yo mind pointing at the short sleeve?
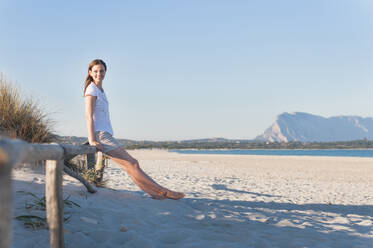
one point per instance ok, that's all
(90, 90)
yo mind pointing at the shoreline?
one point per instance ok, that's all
(343, 153)
(264, 149)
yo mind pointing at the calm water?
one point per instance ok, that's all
(332, 153)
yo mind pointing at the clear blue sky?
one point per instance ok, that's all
(192, 69)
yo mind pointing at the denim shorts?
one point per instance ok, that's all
(107, 141)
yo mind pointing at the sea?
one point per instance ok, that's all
(325, 153)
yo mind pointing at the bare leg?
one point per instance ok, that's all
(140, 178)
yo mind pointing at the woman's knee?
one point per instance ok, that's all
(134, 163)
(122, 154)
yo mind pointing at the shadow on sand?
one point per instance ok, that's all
(235, 223)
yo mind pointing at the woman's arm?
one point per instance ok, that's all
(90, 102)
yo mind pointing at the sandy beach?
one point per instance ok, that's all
(231, 201)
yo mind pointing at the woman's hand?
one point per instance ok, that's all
(97, 145)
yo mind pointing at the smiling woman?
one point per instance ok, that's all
(100, 133)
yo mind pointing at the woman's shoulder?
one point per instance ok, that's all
(91, 90)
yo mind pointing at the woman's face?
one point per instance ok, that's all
(97, 73)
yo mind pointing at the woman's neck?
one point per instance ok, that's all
(99, 85)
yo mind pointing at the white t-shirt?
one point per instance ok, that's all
(101, 118)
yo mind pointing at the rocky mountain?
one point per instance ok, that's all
(306, 127)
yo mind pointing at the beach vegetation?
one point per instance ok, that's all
(38, 204)
(22, 117)
(79, 165)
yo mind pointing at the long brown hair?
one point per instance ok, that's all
(89, 79)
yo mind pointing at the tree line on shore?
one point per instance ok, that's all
(356, 144)
(230, 144)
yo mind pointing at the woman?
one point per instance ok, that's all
(100, 133)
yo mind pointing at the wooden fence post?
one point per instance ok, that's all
(99, 161)
(5, 200)
(54, 201)
(91, 160)
(13, 152)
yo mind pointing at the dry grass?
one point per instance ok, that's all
(79, 165)
(22, 118)
(38, 205)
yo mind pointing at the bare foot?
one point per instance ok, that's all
(173, 195)
(167, 194)
(158, 197)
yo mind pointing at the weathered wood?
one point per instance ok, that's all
(21, 152)
(71, 150)
(5, 200)
(99, 167)
(99, 161)
(75, 175)
(69, 157)
(90, 158)
(37, 152)
(13, 152)
(54, 202)
(90, 161)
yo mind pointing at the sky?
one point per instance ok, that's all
(191, 69)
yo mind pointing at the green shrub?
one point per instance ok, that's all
(22, 118)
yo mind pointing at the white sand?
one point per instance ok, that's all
(231, 201)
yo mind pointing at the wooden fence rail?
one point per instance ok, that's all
(13, 152)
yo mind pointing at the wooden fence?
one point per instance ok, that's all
(13, 152)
